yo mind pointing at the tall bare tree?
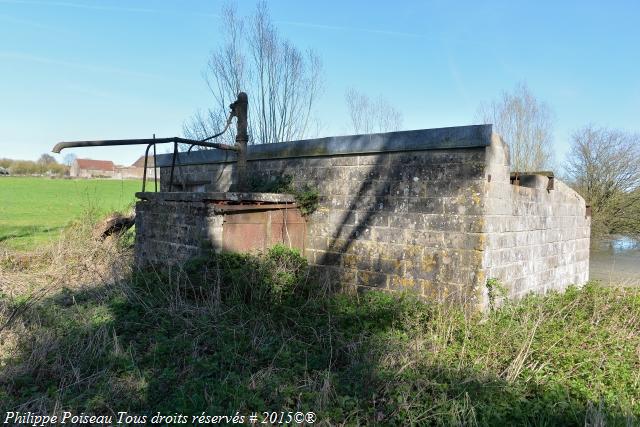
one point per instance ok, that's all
(282, 82)
(526, 124)
(69, 159)
(46, 159)
(369, 116)
(604, 167)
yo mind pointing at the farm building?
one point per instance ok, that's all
(89, 168)
(136, 170)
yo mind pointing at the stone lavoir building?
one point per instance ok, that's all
(433, 211)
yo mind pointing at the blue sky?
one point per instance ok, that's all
(84, 69)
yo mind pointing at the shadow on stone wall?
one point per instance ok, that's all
(388, 231)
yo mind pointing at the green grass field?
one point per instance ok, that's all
(34, 210)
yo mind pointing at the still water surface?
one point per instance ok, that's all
(616, 260)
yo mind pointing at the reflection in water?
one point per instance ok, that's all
(624, 243)
(616, 260)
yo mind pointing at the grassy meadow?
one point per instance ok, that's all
(34, 210)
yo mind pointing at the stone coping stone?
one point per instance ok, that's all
(474, 136)
(190, 196)
(548, 174)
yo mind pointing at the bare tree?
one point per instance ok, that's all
(282, 82)
(69, 159)
(604, 167)
(370, 116)
(526, 125)
(47, 159)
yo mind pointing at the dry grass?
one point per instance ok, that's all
(213, 336)
(76, 262)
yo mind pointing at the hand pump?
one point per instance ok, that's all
(239, 109)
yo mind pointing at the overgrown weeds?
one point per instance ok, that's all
(74, 260)
(248, 333)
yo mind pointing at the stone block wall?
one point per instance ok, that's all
(406, 220)
(168, 231)
(432, 212)
(537, 237)
(172, 228)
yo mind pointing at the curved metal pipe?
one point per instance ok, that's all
(111, 142)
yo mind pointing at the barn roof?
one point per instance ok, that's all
(140, 162)
(102, 165)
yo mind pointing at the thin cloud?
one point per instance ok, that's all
(33, 24)
(93, 6)
(356, 29)
(80, 5)
(78, 65)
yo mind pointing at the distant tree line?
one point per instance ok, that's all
(45, 165)
(604, 167)
(603, 164)
(371, 115)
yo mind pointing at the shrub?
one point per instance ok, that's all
(306, 196)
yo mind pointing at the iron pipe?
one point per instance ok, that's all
(110, 142)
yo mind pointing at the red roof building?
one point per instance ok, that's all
(140, 162)
(89, 168)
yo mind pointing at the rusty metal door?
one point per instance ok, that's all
(260, 227)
